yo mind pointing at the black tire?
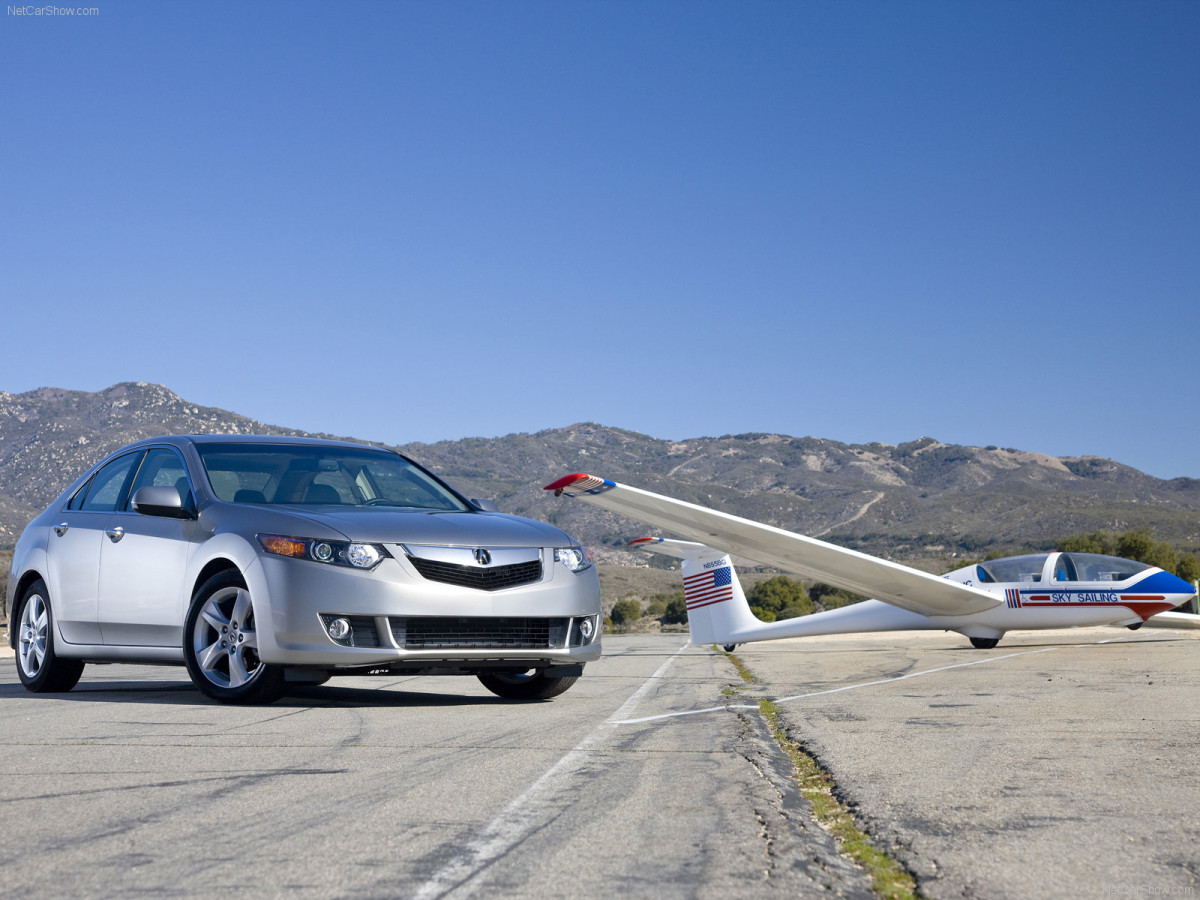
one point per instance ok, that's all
(984, 643)
(532, 685)
(729, 648)
(220, 645)
(40, 668)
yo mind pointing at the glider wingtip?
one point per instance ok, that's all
(580, 483)
(566, 481)
(636, 542)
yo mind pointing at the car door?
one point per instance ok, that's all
(74, 550)
(143, 562)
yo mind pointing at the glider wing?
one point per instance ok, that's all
(1175, 620)
(881, 579)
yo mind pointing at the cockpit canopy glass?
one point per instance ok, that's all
(1014, 568)
(312, 475)
(1095, 567)
(1067, 567)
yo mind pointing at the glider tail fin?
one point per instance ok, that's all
(717, 610)
(716, 605)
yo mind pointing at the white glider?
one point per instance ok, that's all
(982, 601)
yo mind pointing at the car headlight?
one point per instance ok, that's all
(574, 558)
(353, 554)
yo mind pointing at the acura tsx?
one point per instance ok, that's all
(260, 562)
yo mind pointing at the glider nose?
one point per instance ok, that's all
(1169, 588)
(1178, 590)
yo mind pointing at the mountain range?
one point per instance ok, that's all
(921, 499)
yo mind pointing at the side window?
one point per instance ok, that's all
(80, 495)
(162, 468)
(104, 492)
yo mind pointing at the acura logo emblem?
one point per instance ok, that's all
(483, 557)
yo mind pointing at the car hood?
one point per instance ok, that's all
(449, 529)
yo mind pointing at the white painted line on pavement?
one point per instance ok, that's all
(524, 814)
(862, 684)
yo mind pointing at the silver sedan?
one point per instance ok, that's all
(259, 562)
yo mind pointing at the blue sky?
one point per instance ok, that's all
(424, 220)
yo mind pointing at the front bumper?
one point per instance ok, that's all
(403, 622)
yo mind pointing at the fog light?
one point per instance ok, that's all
(586, 628)
(339, 629)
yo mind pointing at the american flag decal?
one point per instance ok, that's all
(707, 588)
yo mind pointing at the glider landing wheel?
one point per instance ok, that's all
(984, 643)
(1136, 626)
(729, 648)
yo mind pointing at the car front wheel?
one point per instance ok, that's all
(532, 685)
(41, 669)
(220, 645)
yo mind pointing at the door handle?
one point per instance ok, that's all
(115, 534)
(61, 528)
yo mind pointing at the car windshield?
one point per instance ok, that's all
(314, 475)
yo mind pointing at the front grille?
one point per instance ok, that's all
(493, 578)
(478, 633)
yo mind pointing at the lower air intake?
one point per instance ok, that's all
(479, 633)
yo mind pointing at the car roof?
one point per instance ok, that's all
(181, 439)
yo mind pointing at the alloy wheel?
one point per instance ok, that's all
(34, 635)
(225, 640)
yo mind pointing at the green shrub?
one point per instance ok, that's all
(833, 598)
(626, 611)
(676, 613)
(779, 593)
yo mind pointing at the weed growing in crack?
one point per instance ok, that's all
(889, 879)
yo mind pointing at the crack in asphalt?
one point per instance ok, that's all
(866, 684)
(245, 777)
(613, 751)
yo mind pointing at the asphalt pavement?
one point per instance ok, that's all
(405, 787)
(1052, 764)
(1058, 764)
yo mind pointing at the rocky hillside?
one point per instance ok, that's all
(917, 499)
(49, 436)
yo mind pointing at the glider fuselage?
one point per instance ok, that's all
(1046, 591)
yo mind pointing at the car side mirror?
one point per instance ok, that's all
(161, 500)
(485, 505)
